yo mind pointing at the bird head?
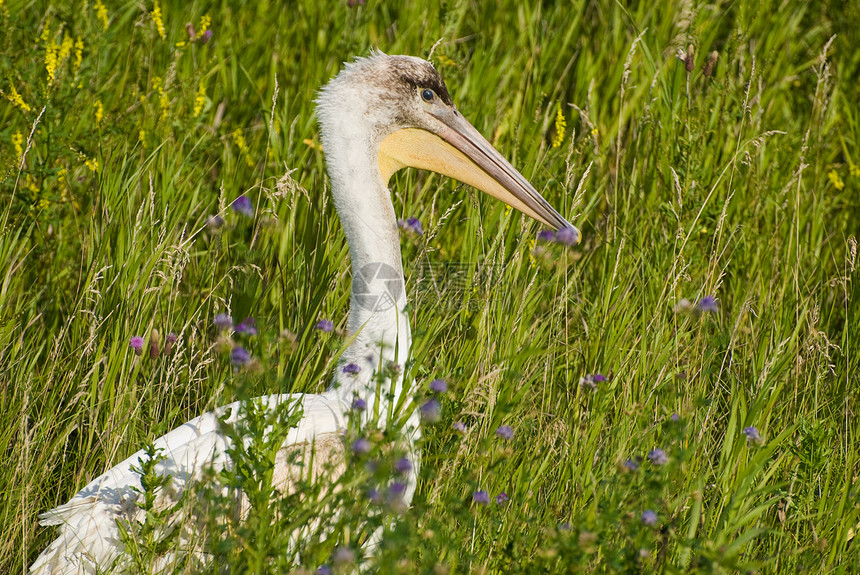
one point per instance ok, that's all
(404, 104)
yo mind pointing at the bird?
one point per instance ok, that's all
(379, 114)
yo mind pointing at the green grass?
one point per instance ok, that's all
(740, 184)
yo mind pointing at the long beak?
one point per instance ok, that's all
(459, 151)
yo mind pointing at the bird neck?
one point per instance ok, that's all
(379, 331)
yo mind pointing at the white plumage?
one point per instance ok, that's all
(380, 114)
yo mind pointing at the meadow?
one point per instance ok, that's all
(681, 388)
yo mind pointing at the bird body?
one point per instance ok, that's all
(378, 115)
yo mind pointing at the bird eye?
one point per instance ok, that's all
(427, 95)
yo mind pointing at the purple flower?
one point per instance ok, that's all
(431, 411)
(324, 570)
(239, 356)
(396, 491)
(597, 378)
(207, 35)
(223, 321)
(360, 446)
(438, 386)
(374, 495)
(403, 465)
(631, 465)
(753, 436)
(481, 497)
(546, 236)
(658, 456)
(502, 498)
(459, 426)
(649, 518)
(171, 340)
(567, 236)
(351, 369)
(359, 404)
(589, 382)
(675, 417)
(708, 304)
(136, 344)
(324, 325)
(243, 205)
(248, 327)
(411, 225)
(505, 432)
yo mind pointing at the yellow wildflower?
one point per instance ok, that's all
(239, 140)
(30, 184)
(205, 22)
(79, 53)
(92, 164)
(181, 44)
(66, 48)
(836, 180)
(142, 136)
(61, 177)
(101, 14)
(854, 170)
(594, 131)
(44, 203)
(51, 56)
(560, 125)
(200, 99)
(157, 19)
(16, 99)
(18, 142)
(100, 111)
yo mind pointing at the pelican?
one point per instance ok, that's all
(378, 115)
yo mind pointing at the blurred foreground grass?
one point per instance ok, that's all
(705, 149)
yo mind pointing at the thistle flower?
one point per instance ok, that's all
(502, 498)
(153, 344)
(411, 225)
(248, 327)
(505, 432)
(239, 356)
(403, 465)
(223, 321)
(438, 386)
(359, 404)
(711, 63)
(136, 343)
(351, 369)
(360, 446)
(658, 456)
(649, 518)
(481, 497)
(324, 325)
(708, 304)
(753, 436)
(567, 237)
(243, 205)
(170, 341)
(431, 411)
